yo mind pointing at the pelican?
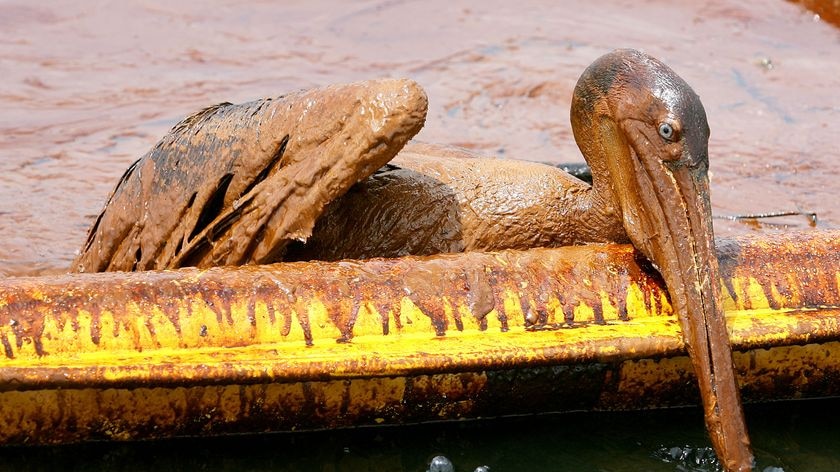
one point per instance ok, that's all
(643, 131)
(260, 193)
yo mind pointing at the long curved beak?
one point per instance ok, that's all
(668, 217)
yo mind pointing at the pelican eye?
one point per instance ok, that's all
(666, 131)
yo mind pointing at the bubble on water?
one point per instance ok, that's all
(482, 468)
(690, 459)
(441, 464)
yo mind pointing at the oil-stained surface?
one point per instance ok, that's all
(827, 10)
(233, 184)
(327, 304)
(89, 88)
(392, 341)
(53, 416)
(435, 199)
(787, 280)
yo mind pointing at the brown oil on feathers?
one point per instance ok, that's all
(438, 199)
(233, 184)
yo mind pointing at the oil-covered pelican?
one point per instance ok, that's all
(643, 132)
(640, 127)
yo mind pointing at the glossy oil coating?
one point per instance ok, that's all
(645, 134)
(438, 199)
(233, 184)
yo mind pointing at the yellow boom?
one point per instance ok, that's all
(319, 345)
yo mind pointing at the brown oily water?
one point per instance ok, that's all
(88, 90)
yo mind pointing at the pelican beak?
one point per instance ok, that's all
(667, 214)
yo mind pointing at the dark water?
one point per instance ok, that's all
(798, 436)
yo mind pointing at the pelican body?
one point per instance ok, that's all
(643, 131)
(641, 128)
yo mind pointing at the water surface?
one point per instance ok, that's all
(790, 437)
(88, 87)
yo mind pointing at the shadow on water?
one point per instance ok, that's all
(789, 437)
